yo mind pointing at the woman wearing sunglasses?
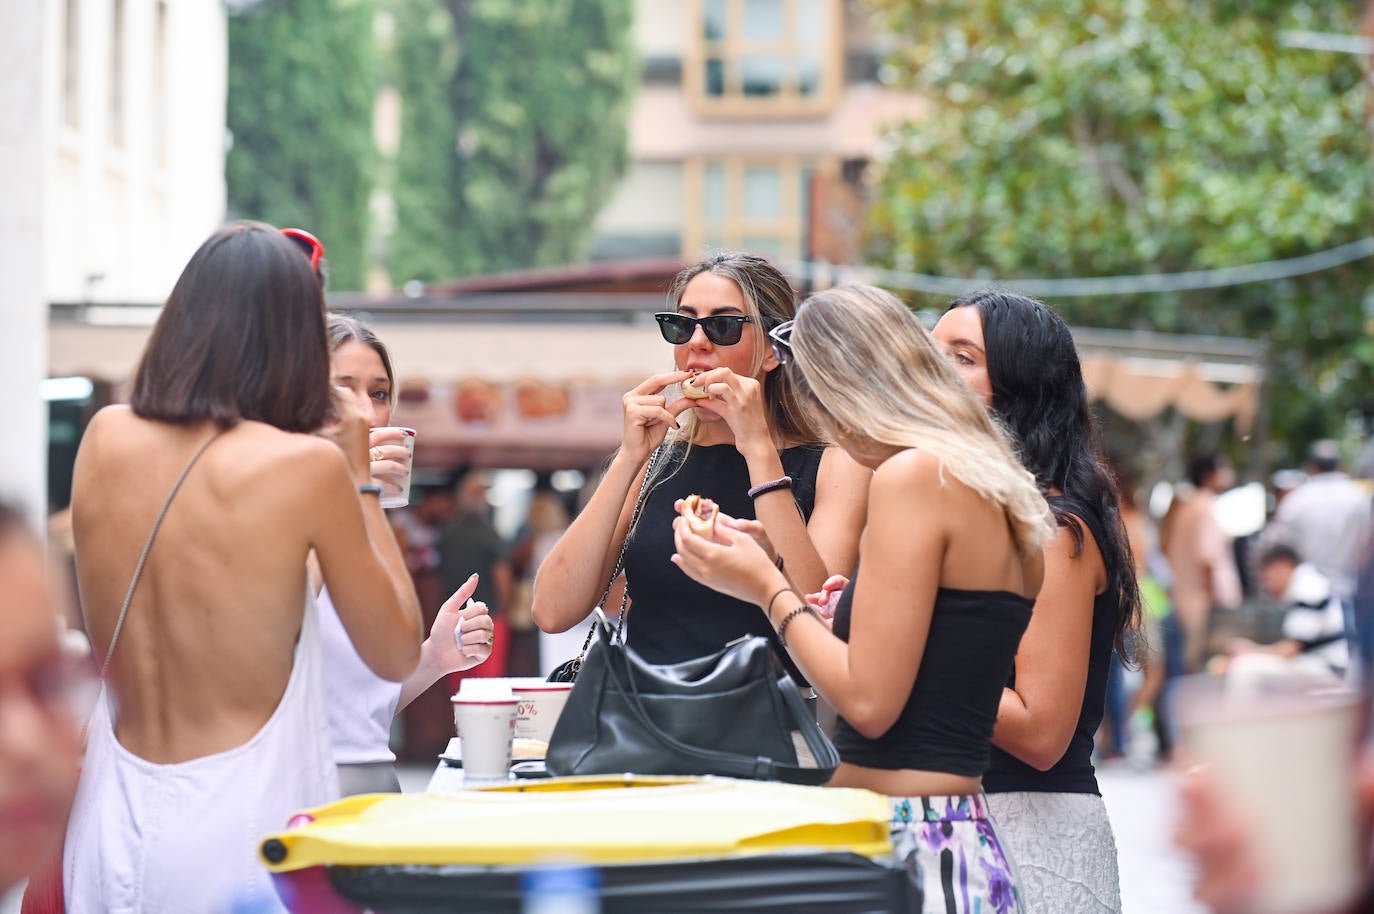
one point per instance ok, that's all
(950, 563)
(749, 445)
(1019, 357)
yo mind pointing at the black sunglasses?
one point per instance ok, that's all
(721, 329)
(780, 338)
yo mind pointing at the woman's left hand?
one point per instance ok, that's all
(388, 459)
(462, 635)
(739, 401)
(731, 562)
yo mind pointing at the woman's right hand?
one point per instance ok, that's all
(350, 431)
(649, 415)
(825, 599)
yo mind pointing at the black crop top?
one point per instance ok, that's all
(673, 618)
(947, 722)
(1074, 772)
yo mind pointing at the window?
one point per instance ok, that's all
(117, 74)
(752, 57)
(71, 63)
(159, 62)
(757, 205)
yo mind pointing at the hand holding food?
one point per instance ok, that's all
(692, 391)
(700, 514)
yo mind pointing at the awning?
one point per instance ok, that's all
(545, 393)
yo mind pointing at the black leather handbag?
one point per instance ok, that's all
(735, 713)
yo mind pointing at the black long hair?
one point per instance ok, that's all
(1039, 395)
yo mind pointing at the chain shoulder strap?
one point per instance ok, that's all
(620, 560)
(147, 548)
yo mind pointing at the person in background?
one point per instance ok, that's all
(1200, 557)
(950, 562)
(1314, 621)
(39, 747)
(1325, 519)
(749, 444)
(194, 511)
(1019, 356)
(362, 704)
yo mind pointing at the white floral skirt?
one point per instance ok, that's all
(963, 869)
(1064, 851)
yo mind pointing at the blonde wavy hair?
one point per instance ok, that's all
(869, 366)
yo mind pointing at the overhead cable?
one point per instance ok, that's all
(1187, 281)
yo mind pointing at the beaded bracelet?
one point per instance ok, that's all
(787, 620)
(772, 485)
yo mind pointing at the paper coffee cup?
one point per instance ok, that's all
(486, 727)
(538, 708)
(1281, 748)
(396, 490)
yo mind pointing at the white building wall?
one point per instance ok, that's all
(23, 317)
(123, 213)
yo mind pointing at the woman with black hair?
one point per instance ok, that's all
(1019, 356)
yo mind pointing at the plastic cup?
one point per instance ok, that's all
(1281, 747)
(396, 491)
(486, 726)
(538, 709)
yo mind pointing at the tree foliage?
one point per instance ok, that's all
(513, 131)
(302, 79)
(1101, 137)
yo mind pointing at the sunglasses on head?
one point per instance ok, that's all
(780, 338)
(307, 243)
(721, 329)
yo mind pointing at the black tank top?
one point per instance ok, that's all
(673, 618)
(947, 722)
(1074, 772)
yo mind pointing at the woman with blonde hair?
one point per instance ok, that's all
(745, 440)
(924, 635)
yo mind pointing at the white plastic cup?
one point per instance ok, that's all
(486, 727)
(396, 493)
(538, 709)
(1281, 747)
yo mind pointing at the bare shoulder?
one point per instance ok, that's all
(909, 471)
(837, 468)
(307, 460)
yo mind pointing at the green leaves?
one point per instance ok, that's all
(514, 133)
(302, 78)
(1100, 137)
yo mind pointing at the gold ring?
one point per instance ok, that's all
(375, 453)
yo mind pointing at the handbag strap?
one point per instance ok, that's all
(620, 560)
(755, 767)
(147, 548)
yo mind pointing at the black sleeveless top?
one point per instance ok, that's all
(947, 722)
(673, 618)
(1074, 772)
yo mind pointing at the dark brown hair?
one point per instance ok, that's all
(240, 337)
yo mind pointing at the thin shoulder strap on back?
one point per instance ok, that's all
(148, 547)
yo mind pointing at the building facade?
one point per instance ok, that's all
(133, 172)
(754, 122)
(112, 172)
